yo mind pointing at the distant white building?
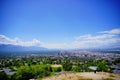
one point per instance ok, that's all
(93, 68)
(8, 71)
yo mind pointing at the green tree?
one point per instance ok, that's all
(102, 66)
(67, 66)
(56, 69)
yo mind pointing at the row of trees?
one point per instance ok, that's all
(7, 62)
(68, 66)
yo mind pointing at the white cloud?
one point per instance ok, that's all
(17, 41)
(105, 39)
(113, 31)
(102, 39)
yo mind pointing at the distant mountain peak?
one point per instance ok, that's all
(18, 48)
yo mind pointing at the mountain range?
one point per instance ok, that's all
(17, 48)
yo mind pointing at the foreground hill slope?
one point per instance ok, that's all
(84, 76)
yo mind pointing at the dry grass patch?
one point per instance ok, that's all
(66, 76)
(56, 65)
(84, 76)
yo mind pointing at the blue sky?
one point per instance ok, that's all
(57, 21)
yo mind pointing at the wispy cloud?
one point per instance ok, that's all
(104, 39)
(101, 39)
(113, 31)
(17, 41)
